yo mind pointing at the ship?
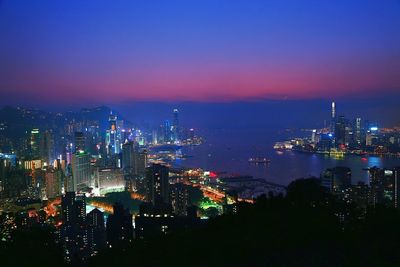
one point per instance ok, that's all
(258, 160)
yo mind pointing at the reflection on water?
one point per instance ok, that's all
(230, 151)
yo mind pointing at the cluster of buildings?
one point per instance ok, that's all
(81, 155)
(357, 136)
(83, 235)
(165, 208)
(382, 190)
(49, 182)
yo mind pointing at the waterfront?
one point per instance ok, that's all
(229, 151)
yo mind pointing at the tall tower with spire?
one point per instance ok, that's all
(333, 118)
(175, 125)
(112, 143)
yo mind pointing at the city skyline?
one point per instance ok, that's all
(199, 133)
(199, 51)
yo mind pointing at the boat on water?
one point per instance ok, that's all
(258, 160)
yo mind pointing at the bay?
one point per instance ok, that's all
(228, 150)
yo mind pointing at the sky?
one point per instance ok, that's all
(110, 52)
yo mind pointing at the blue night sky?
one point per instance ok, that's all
(76, 53)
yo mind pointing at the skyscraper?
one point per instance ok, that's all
(167, 131)
(175, 125)
(340, 131)
(333, 116)
(337, 180)
(141, 162)
(96, 230)
(53, 183)
(157, 186)
(128, 158)
(179, 196)
(81, 172)
(119, 226)
(396, 187)
(112, 141)
(134, 163)
(358, 132)
(79, 140)
(46, 149)
(73, 232)
(34, 143)
(385, 186)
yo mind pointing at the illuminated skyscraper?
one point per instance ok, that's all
(112, 120)
(175, 125)
(179, 195)
(81, 172)
(396, 187)
(112, 141)
(358, 132)
(34, 143)
(385, 186)
(167, 131)
(73, 231)
(333, 117)
(157, 177)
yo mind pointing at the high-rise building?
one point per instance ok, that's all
(128, 165)
(73, 208)
(134, 163)
(53, 182)
(129, 151)
(154, 138)
(396, 187)
(34, 143)
(179, 198)
(340, 131)
(119, 134)
(358, 140)
(73, 232)
(112, 141)
(175, 125)
(157, 186)
(385, 186)
(333, 116)
(47, 153)
(80, 141)
(338, 181)
(141, 163)
(167, 132)
(361, 196)
(112, 120)
(119, 226)
(81, 171)
(96, 231)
